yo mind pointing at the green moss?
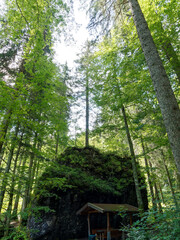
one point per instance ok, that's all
(86, 168)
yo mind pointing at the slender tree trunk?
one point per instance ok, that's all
(57, 144)
(171, 56)
(133, 158)
(87, 111)
(169, 180)
(167, 101)
(19, 188)
(148, 176)
(178, 180)
(26, 199)
(2, 153)
(34, 171)
(168, 49)
(156, 189)
(38, 163)
(5, 179)
(37, 170)
(161, 192)
(131, 148)
(37, 167)
(157, 197)
(11, 191)
(36, 175)
(4, 127)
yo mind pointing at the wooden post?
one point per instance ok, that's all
(108, 228)
(130, 218)
(89, 226)
(123, 235)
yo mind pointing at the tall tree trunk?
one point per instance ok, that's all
(8, 165)
(171, 56)
(133, 159)
(167, 101)
(87, 111)
(161, 192)
(157, 197)
(156, 189)
(4, 127)
(178, 180)
(148, 176)
(169, 180)
(11, 191)
(2, 153)
(168, 48)
(34, 170)
(57, 144)
(7, 116)
(29, 182)
(36, 173)
(19, 187)
(131, 148)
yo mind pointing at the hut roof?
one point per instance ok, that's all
(105, 207)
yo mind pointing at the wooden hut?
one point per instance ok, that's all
(106, 209)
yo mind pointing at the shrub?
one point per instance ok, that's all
(156, 226)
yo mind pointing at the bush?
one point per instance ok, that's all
(19, 233)
(156, 226)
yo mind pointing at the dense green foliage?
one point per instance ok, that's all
(124, 113)
(119, 77)
(80, 169)
(155, 226)
(33, 95)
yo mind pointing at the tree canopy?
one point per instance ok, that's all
(125, 83)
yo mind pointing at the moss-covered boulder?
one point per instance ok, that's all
(80, 175)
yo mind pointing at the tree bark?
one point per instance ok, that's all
(29, 182)
(4, 127)
(8, 165)
(19, 187)
(148, 176)
(171, 56)
(169, 181)
(11, 191)
(168, 49)
(87, 111)
(161, 192)
(156, 190)
(164, 93)
(2, 153)
(57, 144)
(133, 159)
(157, 197)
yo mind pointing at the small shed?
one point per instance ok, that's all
(107, 209)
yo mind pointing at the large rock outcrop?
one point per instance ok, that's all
(79, 176)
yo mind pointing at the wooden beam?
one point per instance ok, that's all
(108, 222)
(89, 226)
(93, 211)
(130, 218)
(108, 227)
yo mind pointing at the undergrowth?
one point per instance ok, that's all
(156, 226)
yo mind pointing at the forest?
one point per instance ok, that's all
(109, 124)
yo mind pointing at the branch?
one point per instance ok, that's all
(21, 12)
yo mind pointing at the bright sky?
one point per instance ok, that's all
(65, 52)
